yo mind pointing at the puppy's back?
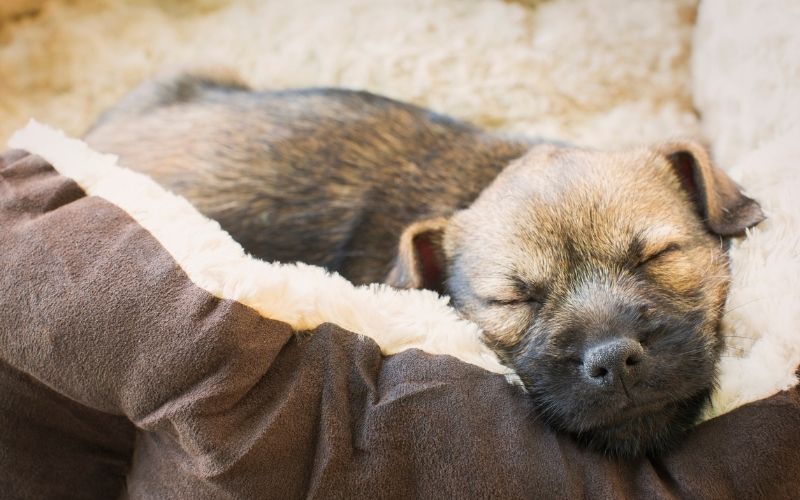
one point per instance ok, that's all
(324, 176)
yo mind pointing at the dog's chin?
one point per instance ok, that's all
(640, 431)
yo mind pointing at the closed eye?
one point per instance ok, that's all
(529, 305)
(672, 247)
(512, 302)
(519, 293)
(533, 301)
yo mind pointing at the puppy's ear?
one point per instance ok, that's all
(719, 200)
(420, 259)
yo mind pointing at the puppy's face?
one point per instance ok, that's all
(600, 278)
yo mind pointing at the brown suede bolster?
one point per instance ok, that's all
(119, 376)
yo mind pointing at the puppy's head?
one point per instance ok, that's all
(600, 277)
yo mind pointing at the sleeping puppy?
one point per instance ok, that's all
(600, 277)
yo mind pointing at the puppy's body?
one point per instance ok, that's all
(598, 276)
(323, 176)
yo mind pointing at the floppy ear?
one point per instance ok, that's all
(719, 200)
(420, 261)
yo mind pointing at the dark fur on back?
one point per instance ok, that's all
(374, 164)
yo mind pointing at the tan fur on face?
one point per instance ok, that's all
(558, 219)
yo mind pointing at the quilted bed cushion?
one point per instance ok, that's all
(120, 376)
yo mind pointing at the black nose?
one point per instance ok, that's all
(608, 362)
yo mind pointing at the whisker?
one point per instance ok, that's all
(737, 353)
(733, 345)
(738, 306)
(738, 337)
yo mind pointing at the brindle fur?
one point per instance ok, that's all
(324, 176)
(551, 249)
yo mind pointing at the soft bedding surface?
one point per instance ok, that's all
(123, 376)
(141, 351)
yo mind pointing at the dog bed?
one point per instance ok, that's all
(143, 352)
(143, 355)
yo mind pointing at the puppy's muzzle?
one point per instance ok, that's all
(610, 327)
